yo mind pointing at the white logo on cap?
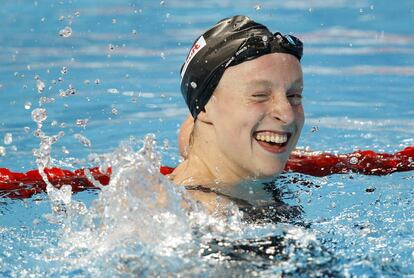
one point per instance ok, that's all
(200, 43)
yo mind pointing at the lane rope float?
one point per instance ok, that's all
(367, 162)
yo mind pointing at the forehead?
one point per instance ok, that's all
(275, 69)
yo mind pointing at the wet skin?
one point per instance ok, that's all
(256, 98)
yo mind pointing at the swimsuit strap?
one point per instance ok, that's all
(237, 201)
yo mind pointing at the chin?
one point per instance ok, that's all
(270, 173)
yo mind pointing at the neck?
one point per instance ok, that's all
(207, 161)
(208, 167)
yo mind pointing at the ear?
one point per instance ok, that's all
(204, 116)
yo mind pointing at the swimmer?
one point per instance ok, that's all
(243, 85)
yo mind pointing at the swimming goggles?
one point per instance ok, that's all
(256, 46)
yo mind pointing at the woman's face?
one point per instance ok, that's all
(257, 115)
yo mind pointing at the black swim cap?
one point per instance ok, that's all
(230, 42)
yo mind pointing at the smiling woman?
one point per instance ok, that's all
(243, 85)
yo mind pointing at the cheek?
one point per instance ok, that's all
(237, 121)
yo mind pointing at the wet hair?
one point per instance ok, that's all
(230, 42)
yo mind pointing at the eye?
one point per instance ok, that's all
(260, 96)
(295, 99)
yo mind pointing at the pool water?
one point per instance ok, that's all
(107, 74)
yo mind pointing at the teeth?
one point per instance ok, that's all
(272, 137)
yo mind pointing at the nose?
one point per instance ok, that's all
(281, 109)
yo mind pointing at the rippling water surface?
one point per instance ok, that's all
(107, 72)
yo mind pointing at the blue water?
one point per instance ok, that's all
(123, 60)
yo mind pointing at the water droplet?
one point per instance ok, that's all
(65, 32)
(65, 150)
(258, 7)
(165, 144)
(371, 7)
(113, 91)
(38, 133)
(82, 122)
(167, 15)
(42, 19)
(77, 13)
(60, 79)
(44, 100)
(350, 45)
(114, 111)
(68, 92)
(162, 55)
(113, 20)
(111, 46)
(54, 123)
(39, 115)
(134, 32)
(64, 70)
(2, 151)
(315, 129)
(353, 160)
(86, 82)
(370, 189)
(361, 10)
(40, 86)
(162, 3)
(83, 140)
(61, 18)
(8, 138)
(310, 10)
(27, 105)
(193, 84)
(97, 81)
(26, 129)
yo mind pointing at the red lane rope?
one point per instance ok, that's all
(24, 185)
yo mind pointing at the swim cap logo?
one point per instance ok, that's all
(200, 43)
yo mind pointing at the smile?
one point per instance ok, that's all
(274, 142)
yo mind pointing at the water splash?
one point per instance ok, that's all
(64, 70)
(82, 122)
(83, 140)
(27, 105)
(113, 91)
(65, 32)
(136, 224)
(68, 92)
(40, 85)
(8, 138)
(61, 196)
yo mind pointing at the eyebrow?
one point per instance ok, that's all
(263, 83)
(298, 83)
